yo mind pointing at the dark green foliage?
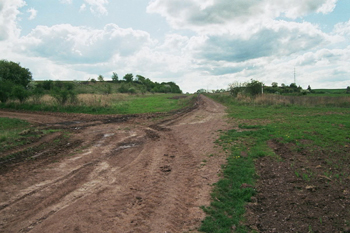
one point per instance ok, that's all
(131, 90)
(20, 93)
(140, 79)
(62, 96)
(5, 90)
(63, 92)
(100, 78)
(115, 77)
(254, 87)
(123, 89)
(13, 81)
(37, 93)
(13, 72)
(46, 85)
(128, 78)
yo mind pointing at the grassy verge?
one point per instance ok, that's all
(311, 131)
(235, 188)
(107, 104)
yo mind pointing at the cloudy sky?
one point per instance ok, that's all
(195, 43)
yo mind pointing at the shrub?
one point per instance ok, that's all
(20, 93)
(62, 96)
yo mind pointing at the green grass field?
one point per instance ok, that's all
(311, 129)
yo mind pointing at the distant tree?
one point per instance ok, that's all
(100, 78)
(236, 88)
(254, 87)
(309, 88)
(200, 91)
(274, 84)
(93, 80)
(348, 90)
(283, 85)
(14, 73)
(115, 77)
(140, 79)
(293, 86)
(128, 78)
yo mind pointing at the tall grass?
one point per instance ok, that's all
(284, 100)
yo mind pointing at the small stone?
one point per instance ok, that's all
(310, 187)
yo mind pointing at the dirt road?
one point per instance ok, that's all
(114, 173)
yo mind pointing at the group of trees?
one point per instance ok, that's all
(14, 81)
(283, 89)
(255, 87)
(130, 84)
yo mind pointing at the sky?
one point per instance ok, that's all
(198, 44)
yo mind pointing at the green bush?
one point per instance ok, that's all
(62, 96)
(20, 93)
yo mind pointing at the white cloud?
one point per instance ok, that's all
(98, 7)
(8, 18)
(66, 43)
(33, 13)
(342, 29)
(66, 1)
(199, 14)
(82, 8)
(276, 39)
(327, 7)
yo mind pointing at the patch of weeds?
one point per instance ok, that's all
(306, 177)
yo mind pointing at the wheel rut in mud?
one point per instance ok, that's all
(115, 173)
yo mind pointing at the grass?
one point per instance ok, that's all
(16, 132)
(10, 130)
(315, 129)
(106, 104)
(229, 198)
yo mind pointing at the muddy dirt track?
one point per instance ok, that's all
(146, 173)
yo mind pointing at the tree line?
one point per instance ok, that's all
(16, 82)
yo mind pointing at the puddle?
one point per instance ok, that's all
(127, 146)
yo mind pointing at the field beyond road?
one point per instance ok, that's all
(112, 173)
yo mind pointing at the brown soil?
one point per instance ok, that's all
(302, 191)
(114, 173)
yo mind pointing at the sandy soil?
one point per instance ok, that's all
(114, 173)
